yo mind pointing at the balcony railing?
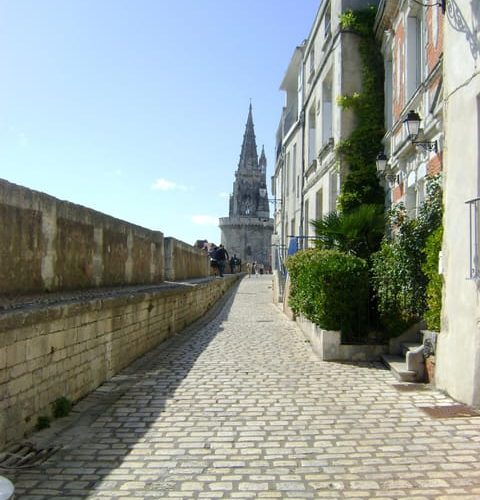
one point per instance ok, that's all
(474, 238)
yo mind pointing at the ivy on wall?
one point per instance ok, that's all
(360, 149)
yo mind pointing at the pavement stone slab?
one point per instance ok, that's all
(239, 406)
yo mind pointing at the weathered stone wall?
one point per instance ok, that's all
(47, 244)
(250, 238)
(68, 349)
(182, 261)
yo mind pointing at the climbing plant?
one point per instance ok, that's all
(360, 149)
(399, 276)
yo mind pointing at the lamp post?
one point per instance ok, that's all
(412, 126)
(263, 194)
(382, 167)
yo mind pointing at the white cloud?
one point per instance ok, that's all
(205, 220)
(165, 185)
(224, 195)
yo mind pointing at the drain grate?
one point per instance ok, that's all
(410, 387)
(450, 411)
(25, 455)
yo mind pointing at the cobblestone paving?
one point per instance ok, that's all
(242, 408)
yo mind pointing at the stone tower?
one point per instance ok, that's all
(247, 231)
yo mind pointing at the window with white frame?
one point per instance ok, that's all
(327, 125)
(306, 220)
(334, 178)
(287, 173)
(327, 21)
(413, 54)
(312, 135)
(474, 213)
(311, 64)
(294, 166)
(388, 91)
(474, 238)
(319, 204)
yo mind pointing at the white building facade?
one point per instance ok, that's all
(308, 173)
(411, 37)
(458, 346)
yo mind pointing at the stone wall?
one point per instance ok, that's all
(250, 238)
(47, 244)
(70, 348)
(182, 261)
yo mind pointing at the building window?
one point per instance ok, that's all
(474, 238)
(311, 64)
(287, 173)
(388, 92)
(474, 214)
(319, 204)
(327, 21)
(413, 55)
(306, 222)
(312, 135)
(327, 110)
(333, 191)
(294, 166)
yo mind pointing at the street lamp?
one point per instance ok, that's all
(263, 194)
(382, 166)
(381, 162)
(412, 126)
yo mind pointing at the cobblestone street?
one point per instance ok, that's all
(240, 407)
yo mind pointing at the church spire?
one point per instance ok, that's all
(262, 162)
(248, 155)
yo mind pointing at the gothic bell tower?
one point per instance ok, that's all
(247, 231)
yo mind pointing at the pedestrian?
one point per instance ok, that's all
(221, 256)
(212, 249)
(249, 269)
(232, 264)
(255, 269)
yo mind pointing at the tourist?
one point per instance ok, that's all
(212, 250)
(221, 256)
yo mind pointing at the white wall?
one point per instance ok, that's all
(458, 350)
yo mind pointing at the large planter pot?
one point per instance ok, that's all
(327, 344)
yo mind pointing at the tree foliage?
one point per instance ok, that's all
(357, 232)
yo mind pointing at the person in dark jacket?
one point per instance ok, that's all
(221, 256)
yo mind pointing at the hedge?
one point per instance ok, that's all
(330, 288)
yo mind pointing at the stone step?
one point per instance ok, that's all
(409, 346)
(398, 367)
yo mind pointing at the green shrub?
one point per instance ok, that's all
(61, 407)
(434, 286)
(398, 276)
(330, 288)
(42, 422)
(398, 299)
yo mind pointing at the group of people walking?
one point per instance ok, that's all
(219, 258)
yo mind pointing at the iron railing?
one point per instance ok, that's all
(474, 238)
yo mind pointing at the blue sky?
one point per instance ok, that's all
(137, 108)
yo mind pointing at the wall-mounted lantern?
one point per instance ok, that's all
(412, 126)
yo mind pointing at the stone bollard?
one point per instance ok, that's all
(6, 489)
